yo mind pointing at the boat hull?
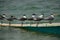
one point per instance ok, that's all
(53, 28)
(49, 30)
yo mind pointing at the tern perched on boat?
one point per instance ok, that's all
(3, 16)
(33, 17)
(39, 18)
(50, 18)
(11, 18)
(23, 18)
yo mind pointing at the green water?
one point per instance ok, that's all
(20, 7)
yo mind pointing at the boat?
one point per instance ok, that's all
(53, 28)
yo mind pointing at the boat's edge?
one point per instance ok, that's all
(32, 25)
(48, 30)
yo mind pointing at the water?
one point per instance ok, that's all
(20, 34)
(20, 7)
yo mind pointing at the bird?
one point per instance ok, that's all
(32, 17)
(2, 17)
(22, 19)
(39, 18)
(50, 18)
(10, 19)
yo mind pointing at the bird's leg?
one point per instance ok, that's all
(50, 21)
(9, 23)
(37, 23)
(21, 23)
(30, 23)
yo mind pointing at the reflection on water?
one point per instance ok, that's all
(20, 34)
